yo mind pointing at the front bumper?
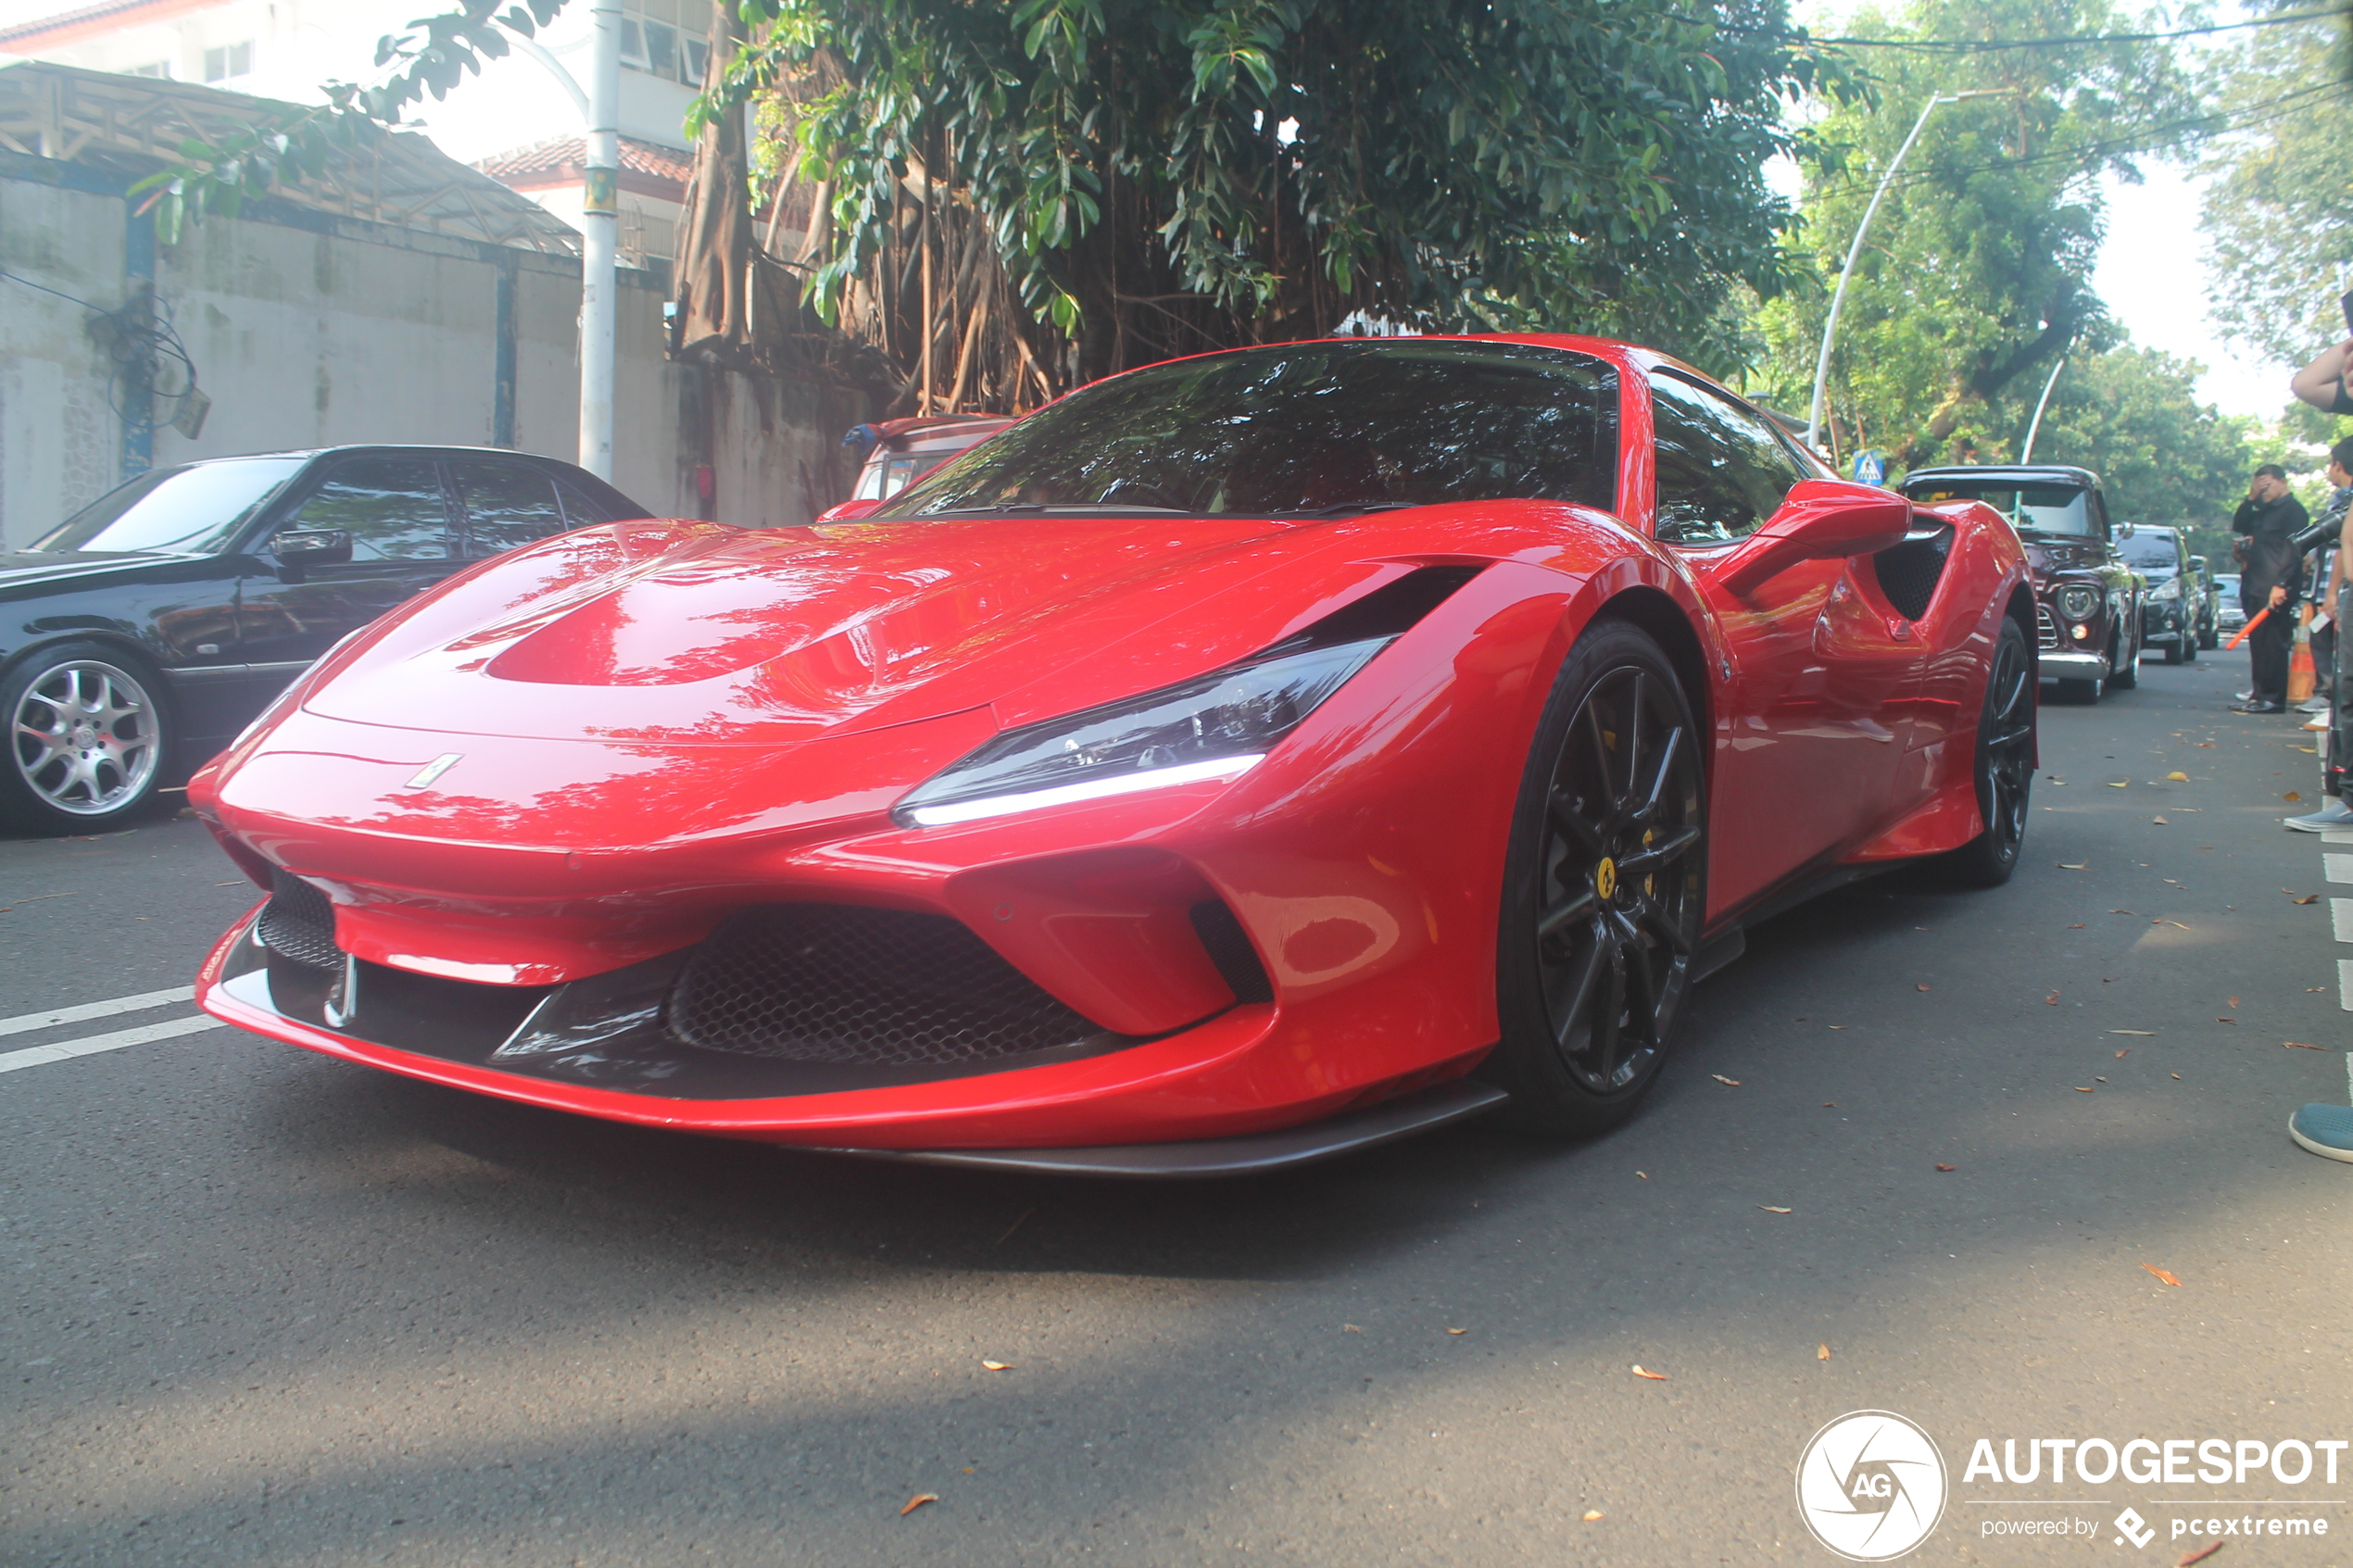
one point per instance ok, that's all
(2067, 665)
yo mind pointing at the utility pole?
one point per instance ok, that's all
(1838, 299)
(601, 239)
(2026, 455)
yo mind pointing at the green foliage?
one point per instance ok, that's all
(2132, 416)
(1165, 175)
(295, 143)
(2280, 211)
(1977, 273)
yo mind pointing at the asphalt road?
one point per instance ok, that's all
(267, 1308)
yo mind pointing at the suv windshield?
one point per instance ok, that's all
(2052, 509)
(2147, 552)
(195, 510)
(1319, 427)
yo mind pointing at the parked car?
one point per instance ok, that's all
(898, 452)
(2170, 601)
(2229, 614)
(2088, 601)
(146, 629)
(2208, 606)
(1202, 776)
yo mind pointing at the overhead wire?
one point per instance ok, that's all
(140, 338)
(1995, 46)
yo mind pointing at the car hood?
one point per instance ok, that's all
(691, 632)
(30, 571)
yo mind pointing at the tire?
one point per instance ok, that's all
(2189, 646)
(87, 735)
(2126, 674)
(1604, 890)
(2175, 651)
(2084, 692)
(2004, 765)
(2210, 639)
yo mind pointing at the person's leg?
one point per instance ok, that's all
(2271, 644)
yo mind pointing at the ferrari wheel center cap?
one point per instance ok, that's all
(1606, 878)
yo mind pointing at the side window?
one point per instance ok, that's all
(392, 508)
(506, 504)
(1722, 470)
(581, 512)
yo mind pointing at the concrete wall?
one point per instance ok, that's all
(310, 329)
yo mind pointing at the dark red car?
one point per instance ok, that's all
(1240, 760)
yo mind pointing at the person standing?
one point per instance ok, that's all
(2337, 600)
(2269, 578)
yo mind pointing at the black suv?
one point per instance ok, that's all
(2172, 606)
(2087, 602)
(140, 635)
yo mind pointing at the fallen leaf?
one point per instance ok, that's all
(1917, 986)
(998, 1366)
(2177, 1077)
(1728, 1083)
(2200, 1555)
(2082, 1088)
(2074, 928)
(2161, 1275)
(1830, 1105)
(2292, 794)
(2308, 898)
(2120, 912)
(2177, 778)
(2226, 1021)
(2066, 867)
(1591, 1514)
(1645, 1174)
(2205, 745)
(1771, 1210)
(1350, 1328)
(2300, 1045)
(917, 1501)
(2100, 1080)
(2126, 784)
(2151, 1033)
(2160, 821)
(1947, 1167)
(2122, 1054)
(2235, 1001)
(1458, 1331)
(2174, 923)
(1641, 1371)
(1834, 1026)
(2051, 1000)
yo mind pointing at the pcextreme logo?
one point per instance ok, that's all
(1871, 1486)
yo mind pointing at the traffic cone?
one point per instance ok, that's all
(2299, 663)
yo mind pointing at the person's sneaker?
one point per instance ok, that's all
(2336, 814)
(2313, 704)
(2259, 707)
(2325, 1130)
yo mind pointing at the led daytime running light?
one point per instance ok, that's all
(1086, 789)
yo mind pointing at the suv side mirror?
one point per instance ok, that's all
(1820, 520)
(298, 548)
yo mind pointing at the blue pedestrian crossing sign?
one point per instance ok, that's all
(1870, 468)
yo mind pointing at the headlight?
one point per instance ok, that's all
(2170, 589)
(1218, 726)
(2079, 603)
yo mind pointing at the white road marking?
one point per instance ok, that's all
(2341, 918)
(66, 1051)
(2344, 983)
(81, 1011)
(2339, 867)
(2336, 836)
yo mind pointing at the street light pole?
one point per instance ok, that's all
(601, 237)
(1838, 298)
(2035, 425)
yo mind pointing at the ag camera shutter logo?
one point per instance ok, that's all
(1871, 1486)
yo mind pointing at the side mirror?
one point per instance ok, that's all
(299, 548)
(1821, 520)
(849, 512)
(2123, 530)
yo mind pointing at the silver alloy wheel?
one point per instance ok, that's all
(84, 737)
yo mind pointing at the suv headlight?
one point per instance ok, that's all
(1218, 726)
(2077, 602)
(2169, 589)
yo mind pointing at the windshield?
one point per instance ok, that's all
(2052, 509)
(195, 510)
(1316, 429)
(2147, 552)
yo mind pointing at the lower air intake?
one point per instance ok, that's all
(1909, 572)
(299, 924)
(832, 983)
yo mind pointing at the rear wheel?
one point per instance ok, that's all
(2004, 764)
(86, 738)
(2177, 651)
(2124, 669)
(1603, 889)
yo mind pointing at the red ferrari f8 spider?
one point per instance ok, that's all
(1244, 758)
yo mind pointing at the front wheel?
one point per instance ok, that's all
(2126, 674)
(2004, 765)
(1603, 889)
(86, 739)
(2177, 651)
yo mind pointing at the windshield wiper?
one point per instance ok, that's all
(1351, 508)
(1056, 509)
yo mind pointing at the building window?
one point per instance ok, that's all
(665, 38)
(159, 68)
(229, 61)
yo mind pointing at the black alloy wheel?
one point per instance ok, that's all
(2004, 764)
(1604, 889)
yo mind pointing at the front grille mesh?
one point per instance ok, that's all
(2045, 629)
(838, 984)
(299, 924)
